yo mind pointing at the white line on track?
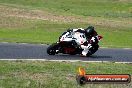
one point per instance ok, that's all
(59, 60)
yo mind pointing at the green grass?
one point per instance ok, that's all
(103, 8)
(34, 74)
(38, 31)
(115, 38)
(43, 21)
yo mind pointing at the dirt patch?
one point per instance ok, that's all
(44, 15)
(70, 77)
(32, 76)
(36, 14)
(125, 0)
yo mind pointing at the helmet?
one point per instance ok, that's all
(89, 30)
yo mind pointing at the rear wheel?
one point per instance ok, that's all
(51, 50)
(73, 53)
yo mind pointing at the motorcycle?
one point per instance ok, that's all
(69, 43)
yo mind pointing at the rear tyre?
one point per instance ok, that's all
(73, 53)
(51, 50)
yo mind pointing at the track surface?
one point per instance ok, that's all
(32, 51)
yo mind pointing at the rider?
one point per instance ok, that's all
(91, 35)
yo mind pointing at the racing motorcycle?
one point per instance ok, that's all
(69, 43)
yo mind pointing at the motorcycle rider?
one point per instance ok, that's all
(92, 38)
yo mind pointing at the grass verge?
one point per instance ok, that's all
(21, 30)
(103, 8)
(44, 21)
(41, 74)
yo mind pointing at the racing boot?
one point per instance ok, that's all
(86, 50)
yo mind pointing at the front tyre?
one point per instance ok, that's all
(51, 50)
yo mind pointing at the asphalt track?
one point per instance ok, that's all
(35, 51)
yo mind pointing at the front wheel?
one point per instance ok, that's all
(51, 50)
